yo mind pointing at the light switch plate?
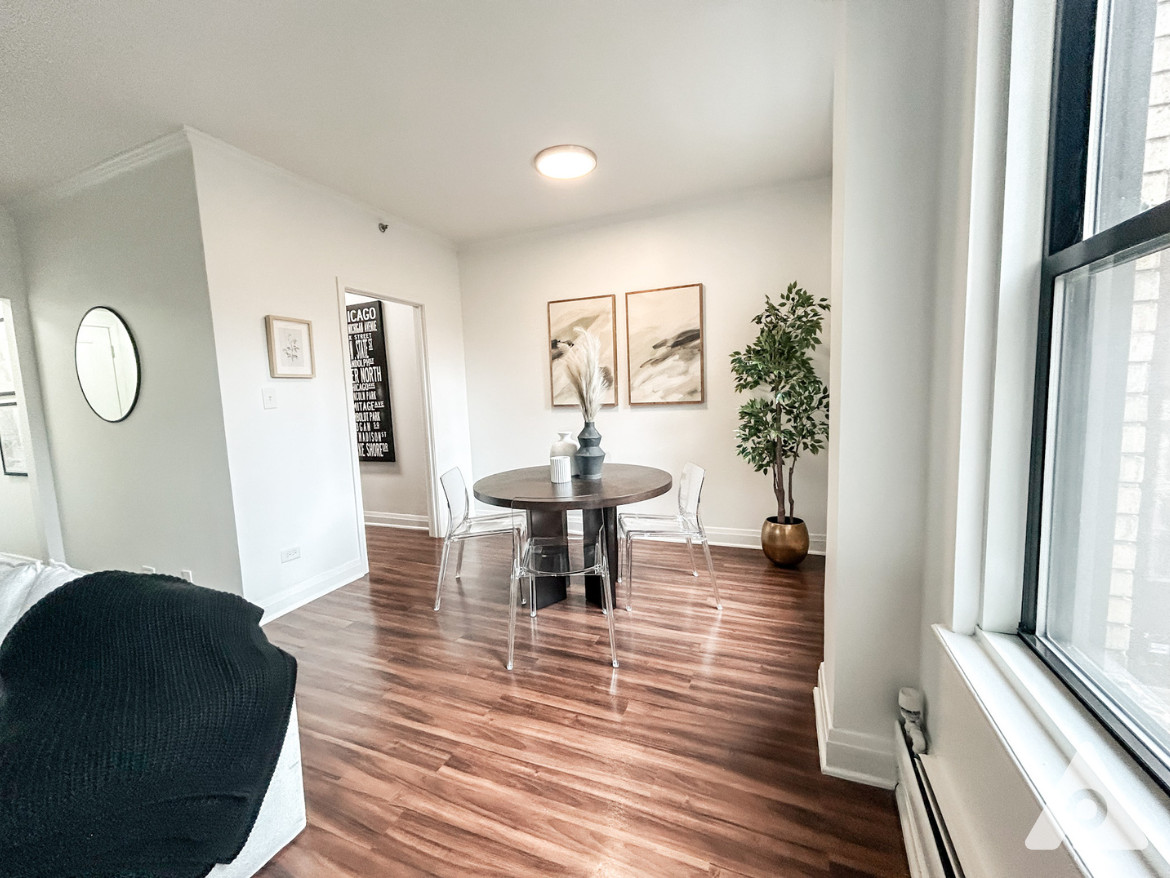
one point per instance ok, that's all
(268, 394)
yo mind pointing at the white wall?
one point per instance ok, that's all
(988, 278)
(970, 220)
(968, 288)
(153, 489)
(886, 129)
(396, 493)
(276, 244)
(740, 249)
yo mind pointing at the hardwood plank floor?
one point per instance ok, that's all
(698, 756)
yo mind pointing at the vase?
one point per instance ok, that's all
(589, 457)
(565, 446)
(786, 545)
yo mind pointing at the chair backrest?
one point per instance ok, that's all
(455, 489)
(560, 554)
(690, 486)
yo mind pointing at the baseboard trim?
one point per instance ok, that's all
(311, 589)
(856, 756)
(396, 519)
(730, 537)
(746, 538)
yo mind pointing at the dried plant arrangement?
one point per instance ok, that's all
(589, 379)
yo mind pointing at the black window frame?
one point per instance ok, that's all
(1065, 249)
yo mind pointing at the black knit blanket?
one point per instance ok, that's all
(141, 718)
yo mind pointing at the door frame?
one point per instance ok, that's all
(421, 352)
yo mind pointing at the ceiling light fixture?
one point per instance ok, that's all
(565, 162)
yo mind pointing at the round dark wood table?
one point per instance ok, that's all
(546, 505)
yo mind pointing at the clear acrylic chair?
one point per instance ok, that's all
(685, 526)
(553, 556)
(463, 526)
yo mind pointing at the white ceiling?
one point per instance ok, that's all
(432, 109)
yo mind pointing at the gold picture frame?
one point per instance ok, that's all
(290, 347)
(596, 314)
(665, 342)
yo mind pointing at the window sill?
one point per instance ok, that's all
(1043, 728)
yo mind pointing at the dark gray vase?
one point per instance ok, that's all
(589, 456)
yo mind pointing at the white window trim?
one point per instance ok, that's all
(1043, 727)
(1036, 718)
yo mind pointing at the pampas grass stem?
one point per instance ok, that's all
(588, 378)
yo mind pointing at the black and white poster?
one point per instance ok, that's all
(371, 381)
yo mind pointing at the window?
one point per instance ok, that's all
(1097, 578)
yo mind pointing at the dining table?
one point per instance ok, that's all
(546, 505)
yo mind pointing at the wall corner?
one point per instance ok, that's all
(850, 755)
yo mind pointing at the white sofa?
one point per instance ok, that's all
(24, 581)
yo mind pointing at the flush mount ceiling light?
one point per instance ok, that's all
(565, 162)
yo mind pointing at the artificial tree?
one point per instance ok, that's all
(789, 417)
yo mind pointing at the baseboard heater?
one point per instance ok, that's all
(928, 845)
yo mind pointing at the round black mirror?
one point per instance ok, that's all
(107, 364)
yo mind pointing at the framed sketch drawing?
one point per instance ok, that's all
(290, 347)
(664, 344)
(12, 459)
(594, 314)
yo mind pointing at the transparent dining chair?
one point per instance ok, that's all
(554, 556)
(685, 526)
(463, 526)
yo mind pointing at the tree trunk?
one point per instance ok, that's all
(778, 462)
(791, 497)
(778, 486)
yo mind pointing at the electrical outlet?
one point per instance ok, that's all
(187, 575)
(148, 569)
(290, 554)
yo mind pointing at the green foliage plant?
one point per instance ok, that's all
(788, 415)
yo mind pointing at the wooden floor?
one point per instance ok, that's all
(698, 756)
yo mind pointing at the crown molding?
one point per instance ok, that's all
(203, 140)
(187, 138)
(105, 170)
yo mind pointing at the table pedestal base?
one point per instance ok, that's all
(550, 589)
(604, 519)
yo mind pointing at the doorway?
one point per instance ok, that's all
(390, 411)
(21, 534)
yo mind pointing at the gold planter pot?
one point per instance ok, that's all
(786, 545)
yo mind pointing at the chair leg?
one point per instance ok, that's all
(517, 542)
(459, 561)
(513, 599)
(442, 572)
(711, 570)
(691, 553)
(605, 587)
(622, 541)
(629, 577)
